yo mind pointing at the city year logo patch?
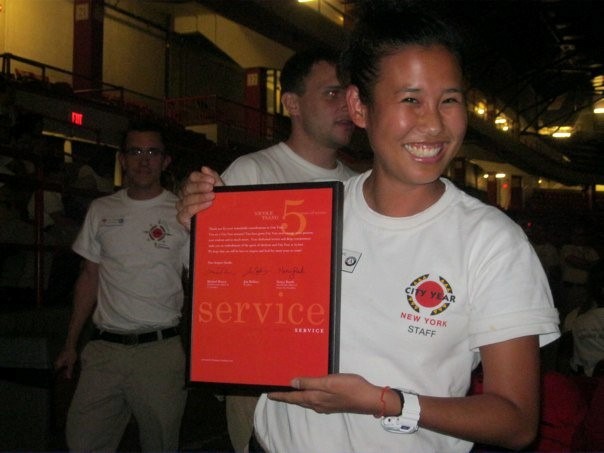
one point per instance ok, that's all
(158, 234)
(431, 295)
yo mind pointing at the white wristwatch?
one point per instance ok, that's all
(406, 423)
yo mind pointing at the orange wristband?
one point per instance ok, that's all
(382, 403)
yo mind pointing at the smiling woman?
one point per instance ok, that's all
(477, 291)
(416, 122)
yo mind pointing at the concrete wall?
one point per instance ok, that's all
(139, 53)
(39, 30)
(245, 46)
(134, 53)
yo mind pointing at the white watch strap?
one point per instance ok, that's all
(406, 423)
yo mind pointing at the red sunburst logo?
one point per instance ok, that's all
(157, 233)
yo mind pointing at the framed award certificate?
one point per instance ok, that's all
(265, 285)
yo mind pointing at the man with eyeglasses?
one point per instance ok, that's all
(133, 252)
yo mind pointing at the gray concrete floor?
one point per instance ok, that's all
(35, 406)
(35, 400)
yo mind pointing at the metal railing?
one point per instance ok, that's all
(61, 81)
(203, 110)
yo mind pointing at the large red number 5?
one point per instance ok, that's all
(286, 226)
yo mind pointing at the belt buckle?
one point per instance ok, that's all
(131, 340)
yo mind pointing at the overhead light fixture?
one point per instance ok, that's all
(503, 123)
(561, 134)
(480, 108)
(557, 131)
(499, 175)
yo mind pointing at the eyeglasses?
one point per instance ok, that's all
(144, 152)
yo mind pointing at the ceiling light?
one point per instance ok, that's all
(598, 83)
(561, 134)
(571, 37)
(480, 108)
(500, 175)
(557, 131)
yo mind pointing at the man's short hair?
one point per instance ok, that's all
(299, 66)
(143, 126)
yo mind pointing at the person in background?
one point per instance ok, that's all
(576, 258)
(53, 211)
(540, 237)
(320, 128)
(9, 112)
(588, 327)
(133, 252)
(442, 281)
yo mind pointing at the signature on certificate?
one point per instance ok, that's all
(256, 270)
(220, 271)
(291, 271)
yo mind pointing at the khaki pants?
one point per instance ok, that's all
(117, 381)
(240, 420)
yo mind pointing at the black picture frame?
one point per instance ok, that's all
(224, 238)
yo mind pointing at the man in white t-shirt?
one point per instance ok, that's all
(320, 127)
(134, 251)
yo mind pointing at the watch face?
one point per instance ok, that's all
(396, 425)
(406, 423)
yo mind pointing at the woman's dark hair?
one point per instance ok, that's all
(384, 27)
